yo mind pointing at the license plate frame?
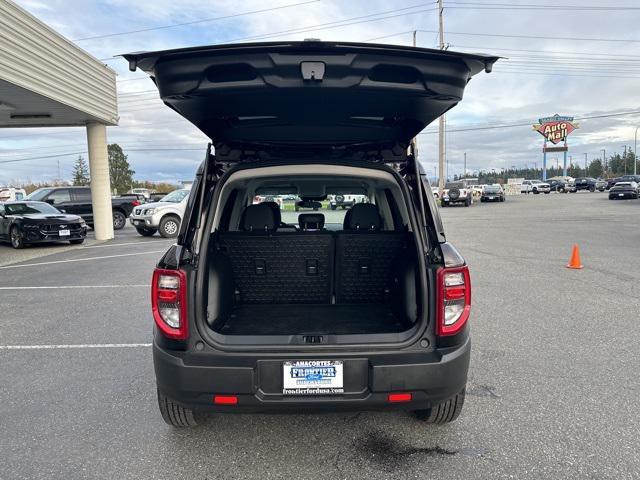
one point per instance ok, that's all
(313, 377)
(64, 233)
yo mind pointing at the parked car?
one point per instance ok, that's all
(24, 223)
(556, 185)
(534, 186)
(164, 216)
(10, 194)
(145, 192)
(611, 182)
(251, 319)
(457, 192)
(77, 201)
(622, 190)
(345, 201)
(492, 193)
(157, 196)
(629, 178)
(587, 183)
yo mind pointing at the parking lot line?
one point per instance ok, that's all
(123, 244)
(81, 259)
(53, 287)
(79, 346)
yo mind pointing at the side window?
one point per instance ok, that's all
(59, 196)
(19, 196)
(82, 195)
(1, 209)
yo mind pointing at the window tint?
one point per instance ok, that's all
(82, 194)
(59, 196)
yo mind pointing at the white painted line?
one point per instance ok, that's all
(123, 244)
(69, 347)
(74, 287)
(81, 259)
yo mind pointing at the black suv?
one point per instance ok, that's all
(364, 311)
(77, 201)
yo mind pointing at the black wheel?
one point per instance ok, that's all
(592, 189)
(333, 206)
(445, 412)
(546, 193)
(77, 241)
(17, 238)
(535, 191)
(174, 414)
(297, 208)
(169, 226)
(146, 232)
(502, 199)
(119, 220)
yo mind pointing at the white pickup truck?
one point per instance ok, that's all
(164, 216)
(534, 186)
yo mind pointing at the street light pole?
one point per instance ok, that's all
(635, 152)
(604, 159)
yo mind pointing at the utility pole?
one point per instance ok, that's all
(635, 152)
(441, 119)
(465, 164)
(586, 174)
(604, 159)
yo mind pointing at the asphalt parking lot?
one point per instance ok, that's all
(553, 388)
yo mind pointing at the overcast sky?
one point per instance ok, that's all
(595, 72)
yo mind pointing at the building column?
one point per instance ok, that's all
(100, 182)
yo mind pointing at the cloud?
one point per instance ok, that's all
(519, 90)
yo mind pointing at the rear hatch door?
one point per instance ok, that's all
(265, 99)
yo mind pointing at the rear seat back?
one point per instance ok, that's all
(365, 256)
(281, 267)
(272, 267)
(365, 265)
(301, 267)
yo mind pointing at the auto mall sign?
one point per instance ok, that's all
(556, 128)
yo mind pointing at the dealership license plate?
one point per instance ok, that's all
(312, 377)
(64, 233)
(621, 194)
(492, 198)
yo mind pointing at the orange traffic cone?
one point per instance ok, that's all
(575, 258)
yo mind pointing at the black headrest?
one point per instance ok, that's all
(363, 216)
(276, 211)
(258, 218)
(311, 221)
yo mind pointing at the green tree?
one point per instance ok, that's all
(595, 168)
(119, 169)
(81, 172)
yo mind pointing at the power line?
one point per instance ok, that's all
(535, 37)
(525, 124)
(345, 22)
(204, 20)
(522, 6)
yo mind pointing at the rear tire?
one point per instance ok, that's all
(169, 226)
(174, 414)
(445, 412)
(119, 220)
(17, 238)
(146, 232)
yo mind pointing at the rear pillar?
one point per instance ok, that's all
(100, 182)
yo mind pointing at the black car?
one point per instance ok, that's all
(371, 314)
(588, 183)
(26, 222)
(492, 193)
(556, 185)
(77, 200)
(622, 190)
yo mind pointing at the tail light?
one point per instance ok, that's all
(169, 303)
(454, 300)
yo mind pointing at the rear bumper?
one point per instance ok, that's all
(192, 379)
